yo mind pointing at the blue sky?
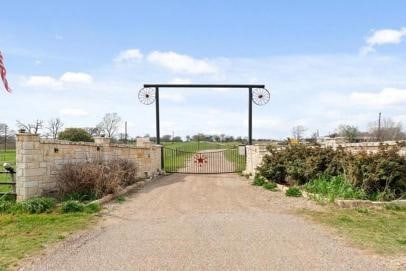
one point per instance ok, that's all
(326, 63)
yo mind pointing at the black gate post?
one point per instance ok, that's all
(250, 116)
(158, 136)
(158, 132)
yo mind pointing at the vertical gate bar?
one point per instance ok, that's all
(158, 135)
(250, 116)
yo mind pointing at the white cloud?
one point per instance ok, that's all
(129, 55)
(387, 97)
(173, 97)
(382, 37)
(76, 77)
(73, 112)
(180, 81)
(181, 63)
(386, 36)
(45, 81)
(42, 81)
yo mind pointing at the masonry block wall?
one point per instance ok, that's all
(38, 160)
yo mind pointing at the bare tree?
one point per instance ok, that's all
(110, 124)
(349, 132)
(54, 127)
(32, 128)
(298, 131)
(387, 130)
(94, 131)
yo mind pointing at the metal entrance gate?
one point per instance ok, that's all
(209, 161)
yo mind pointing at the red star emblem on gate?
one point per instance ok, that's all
(200, 159)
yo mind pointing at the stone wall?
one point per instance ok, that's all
(367, 146)
(38, 160)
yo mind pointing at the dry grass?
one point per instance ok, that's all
(96, 179)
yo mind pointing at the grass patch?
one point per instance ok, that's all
(8, 156)
(258, 180)
(382, 230)
(293, 192)
(27, 226)
(334, 187)
(23, 234)
(120, 199)
(270, 186)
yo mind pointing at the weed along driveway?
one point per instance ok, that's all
(207, 222)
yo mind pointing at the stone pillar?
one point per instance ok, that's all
(255, 154)
(30, 167)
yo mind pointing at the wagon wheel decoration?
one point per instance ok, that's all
(260, 96)
(146, 96)
(200, 159)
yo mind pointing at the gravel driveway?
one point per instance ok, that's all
(205, 222)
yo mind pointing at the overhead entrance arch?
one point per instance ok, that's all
(214, 157)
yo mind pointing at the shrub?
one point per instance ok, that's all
(75, 134)
(382, 175)
(334, 187)
(37, 205)
(293, 192)
(95, 179)
(270, 186)
(72, 206)
(258, 180)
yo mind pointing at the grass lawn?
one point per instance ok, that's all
(24, 234)
(8, 156)
(382, 230)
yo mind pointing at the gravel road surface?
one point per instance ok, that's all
(205, 222)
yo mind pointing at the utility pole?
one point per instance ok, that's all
(5, 139)
(125, 133)
(379, 126)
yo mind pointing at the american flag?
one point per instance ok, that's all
(3, 73)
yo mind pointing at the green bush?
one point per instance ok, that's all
(37, 205)
(259, 180)
(32, 206)
(334, 187)
(382, 175)
(293, 192)
(270, 186)
(72, 206)
(75, 134)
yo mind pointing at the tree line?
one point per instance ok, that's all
(381, 130)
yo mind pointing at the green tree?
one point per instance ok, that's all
(75, 134)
